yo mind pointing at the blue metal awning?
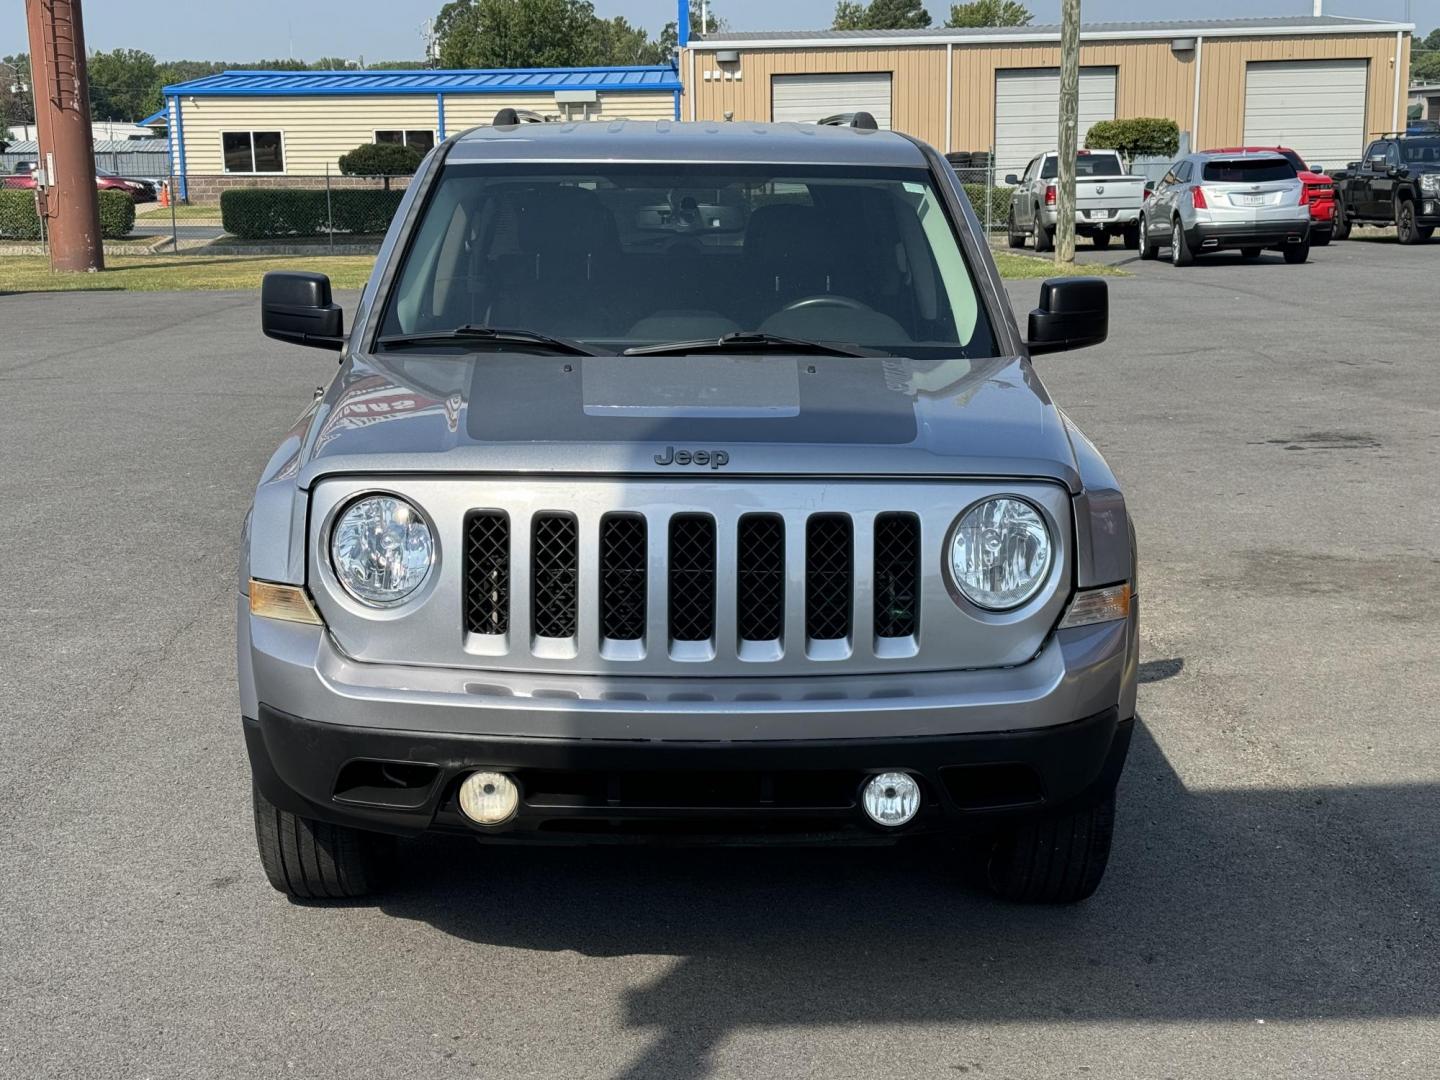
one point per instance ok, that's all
(499, 81)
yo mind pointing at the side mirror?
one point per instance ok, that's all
(1074, 313)
(1012, 179)
(1377, 163)
(295, 306)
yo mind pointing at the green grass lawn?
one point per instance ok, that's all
(1030, 266)
(160, 273)
(152, 212)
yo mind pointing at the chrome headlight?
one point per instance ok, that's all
(1000, 553)
(1430, 183)
(381, 549)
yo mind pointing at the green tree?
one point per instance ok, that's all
(516, 33)
(332, 63)
(16, 93)
(989, 13)
(1425, 58)
(381, 159)
(124, 84)
(881, 15)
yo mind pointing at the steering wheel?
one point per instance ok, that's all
(826, 300)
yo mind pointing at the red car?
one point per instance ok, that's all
(1319, 189)
(138, 190)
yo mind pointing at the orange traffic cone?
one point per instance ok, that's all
(164, 192)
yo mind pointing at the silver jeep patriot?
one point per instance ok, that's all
(687, 482)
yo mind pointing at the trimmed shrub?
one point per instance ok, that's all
(274, 213)
(1147, 136)
(117, 214)
(381, 159)
(265, 213)
(999, 197)
(19, 221)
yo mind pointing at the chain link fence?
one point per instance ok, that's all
(991, 199)
(343, 209)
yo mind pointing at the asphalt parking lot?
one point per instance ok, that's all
(1271, 906)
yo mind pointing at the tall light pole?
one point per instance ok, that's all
(1069, 130)
(61, 92)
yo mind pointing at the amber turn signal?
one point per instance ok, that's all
(1098, 605)
(288, 602)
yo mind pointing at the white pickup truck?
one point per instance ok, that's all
(1107, 200)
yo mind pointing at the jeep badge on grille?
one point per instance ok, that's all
(716, 459)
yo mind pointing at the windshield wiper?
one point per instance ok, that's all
(497, 334)
(750, 341)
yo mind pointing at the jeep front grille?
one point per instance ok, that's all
(700, 567)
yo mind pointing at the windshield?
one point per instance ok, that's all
(1421, 151)
(1249, 170)
(1085, 165)
(623, 256)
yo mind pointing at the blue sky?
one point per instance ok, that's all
(390, 29)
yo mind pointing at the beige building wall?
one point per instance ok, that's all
(472, 110)
(318, 129)
(917, 85)
(1151, 80)
(1222, 101)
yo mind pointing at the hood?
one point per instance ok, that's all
(731, 415)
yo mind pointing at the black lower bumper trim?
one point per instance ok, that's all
(1205, 238)
(405, 782)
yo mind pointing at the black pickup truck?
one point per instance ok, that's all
(1397, 183)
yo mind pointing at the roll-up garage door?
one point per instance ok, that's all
(1027, 111)
(1315, 107)
(804, 99)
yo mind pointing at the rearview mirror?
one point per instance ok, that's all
(1074, 313)
(295, 306)
(1012, 179)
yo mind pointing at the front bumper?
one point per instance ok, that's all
(579, 790)
(384, 747)
(1203, 237)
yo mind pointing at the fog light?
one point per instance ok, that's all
(489, 798)
(891, 798)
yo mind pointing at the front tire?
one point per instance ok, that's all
(1101, 240)
(1320, 239)
(1148, 250)
(1056, 860)
(1296, 253)
(314, 860)
(1180, 253)
(1131, 235)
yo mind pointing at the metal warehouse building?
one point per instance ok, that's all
(1319, 84)
(250, 128)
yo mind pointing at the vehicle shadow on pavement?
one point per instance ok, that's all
(1223, 905)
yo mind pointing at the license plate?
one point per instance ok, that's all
(1093, 214)
(1250, 200)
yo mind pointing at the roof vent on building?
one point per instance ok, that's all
(864, 121)
(506, 117)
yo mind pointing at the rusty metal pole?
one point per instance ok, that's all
(61, 91)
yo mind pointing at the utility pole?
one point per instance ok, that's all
(68, 200)
(1069, 130)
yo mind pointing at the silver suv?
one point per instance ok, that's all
(1225, 202)
(686, 481)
